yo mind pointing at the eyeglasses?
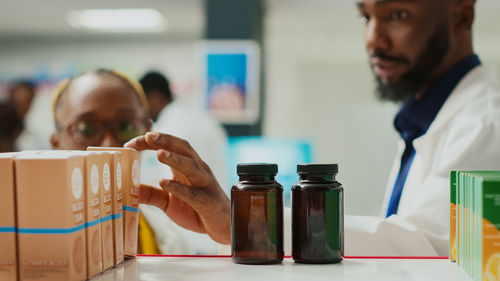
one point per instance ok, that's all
(91, 132)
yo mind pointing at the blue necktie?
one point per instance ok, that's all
(406, 160)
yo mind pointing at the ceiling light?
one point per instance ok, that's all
(117, 20)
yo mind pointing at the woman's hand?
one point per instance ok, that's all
(193, 198)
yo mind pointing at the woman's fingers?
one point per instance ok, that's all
(213, 210)
(179, 211)
(153, 196)
(195, 197)
(170, 143)
(184, 215)
(190, 168)
(138, 143)
(157, 141)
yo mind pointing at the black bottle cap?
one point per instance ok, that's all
(331, 169)
(257, 169)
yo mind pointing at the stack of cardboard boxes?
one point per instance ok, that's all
(63, 212)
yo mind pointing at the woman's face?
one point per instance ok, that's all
(98, 110)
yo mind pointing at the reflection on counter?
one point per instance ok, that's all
(126, 271)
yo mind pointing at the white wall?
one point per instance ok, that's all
(319, 85)
(178, 59)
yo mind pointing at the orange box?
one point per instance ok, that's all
(93, 162)
(51, 217)
(131, 160)
(8, 251)
(117, 205)
(93, 186)
(106, 210)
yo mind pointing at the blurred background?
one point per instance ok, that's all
(296, 73)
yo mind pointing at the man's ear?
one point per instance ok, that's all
(55, 140)
(464, 14)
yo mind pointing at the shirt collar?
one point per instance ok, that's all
(416, 116)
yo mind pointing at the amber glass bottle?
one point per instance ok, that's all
(257, 215)
(317, 215)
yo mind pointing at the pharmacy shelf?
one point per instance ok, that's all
(222, 269)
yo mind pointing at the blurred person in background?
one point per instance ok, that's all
(422, 56)
(184, 117)
(21, 95)
(11, 126)
(33, 108)
(157, 89)
(106, 108)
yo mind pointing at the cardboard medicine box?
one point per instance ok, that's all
(8, 251)
(51, 217)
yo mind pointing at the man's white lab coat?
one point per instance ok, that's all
(465, 135)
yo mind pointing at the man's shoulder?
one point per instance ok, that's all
(466, 132)
(481, 98)
(475, 101)
(471, 113)
(476, 120)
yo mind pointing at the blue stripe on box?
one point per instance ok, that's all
(106, 218)
(93, 223)
(130, 209)
(8, 229)
(117, 216)
(51, 230)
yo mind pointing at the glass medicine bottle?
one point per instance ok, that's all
(317, 215)
(257, 215)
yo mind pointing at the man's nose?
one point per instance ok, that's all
(376, 37)
(110, 140)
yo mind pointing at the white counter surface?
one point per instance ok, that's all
(222, 268)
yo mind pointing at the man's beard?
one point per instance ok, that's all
(413, 81)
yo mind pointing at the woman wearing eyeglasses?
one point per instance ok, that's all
(98, 108)
(105, 108)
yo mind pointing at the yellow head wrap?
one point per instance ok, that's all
(63, 85)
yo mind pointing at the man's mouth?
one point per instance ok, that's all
(387, 70)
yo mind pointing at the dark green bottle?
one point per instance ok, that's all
(317, 215)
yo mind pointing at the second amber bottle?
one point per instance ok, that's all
(317, 215)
